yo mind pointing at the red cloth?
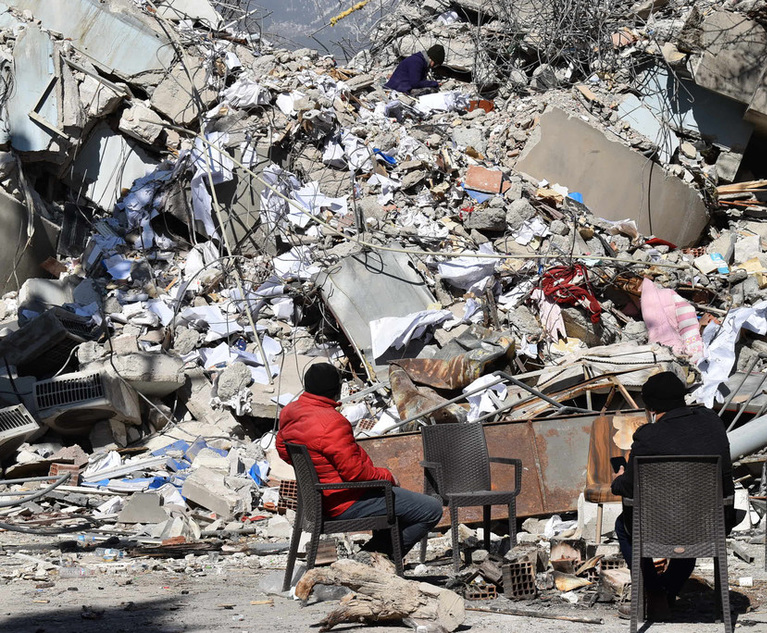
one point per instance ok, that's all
(314, 422)
(570, 285)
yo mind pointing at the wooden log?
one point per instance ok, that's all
(382, 596)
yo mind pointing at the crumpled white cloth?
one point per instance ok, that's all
(397, 332)
(719, 354)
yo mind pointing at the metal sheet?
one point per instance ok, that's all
(369, 286)
(117, 40)
(554, 453)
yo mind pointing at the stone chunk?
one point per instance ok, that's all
(233, 379)
(143, 507)
(207, 488)
(140, 122)
(177, 96)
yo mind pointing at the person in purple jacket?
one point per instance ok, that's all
(411, 72)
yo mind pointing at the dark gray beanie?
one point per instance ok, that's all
(322, 379)
(663, 392)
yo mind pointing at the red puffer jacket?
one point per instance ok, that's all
(314, 422)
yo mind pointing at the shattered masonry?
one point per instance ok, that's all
(193, 215)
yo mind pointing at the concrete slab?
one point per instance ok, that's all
(734, 55)
(684, 107)
(177, 96)
(143, 507)
(369, 286)
(113, 34)
(34, 71)
(14, 217)
(108, 164)
(207, 488)
(616, 182)
(200, 10)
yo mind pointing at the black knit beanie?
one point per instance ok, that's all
(663, 392)
(322, 379)
(436, 54)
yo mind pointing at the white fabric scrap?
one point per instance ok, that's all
(451, 101)
(246, 93)
(397, 332)
(295, 263)
(529, 231)
(286, 102)
(481, 402)
(719, 355)
(358, 156)
(469, 273)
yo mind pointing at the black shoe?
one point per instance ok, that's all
(657, 606)
(624, 611)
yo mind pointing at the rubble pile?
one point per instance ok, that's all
(193, 216)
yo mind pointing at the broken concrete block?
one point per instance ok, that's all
(113, 35)
(37, 295)
(142, 507)
(519, 212)
(199, 10)
(232, 380)
(628, 185)
(198, 396)
(151, 373)
(278, 527)
(470, 137)
(207, 488)
(102, 439)
(746, 248)
(97, 98)
(486, 219)
(178, 95)
(141, 123)
(106, 165)
(733, 57)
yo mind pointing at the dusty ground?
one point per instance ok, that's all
(214, 592)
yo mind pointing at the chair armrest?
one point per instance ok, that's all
(370, 484)
(728, 501)
(628, 501)
(511, 461)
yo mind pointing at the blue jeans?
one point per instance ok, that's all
(417, 514)
(670, 581)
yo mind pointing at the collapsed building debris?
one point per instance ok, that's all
(195, 215)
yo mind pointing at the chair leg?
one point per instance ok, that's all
(292, 552)
(456, 545)
(486, 525)
(312, 547)
(513, 522)
(396, 546)
(720, 571)
(637, 597)
(600, 510)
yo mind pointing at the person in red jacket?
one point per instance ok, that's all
(312, 420)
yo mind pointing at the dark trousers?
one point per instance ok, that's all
(670, 581)
(417, 514)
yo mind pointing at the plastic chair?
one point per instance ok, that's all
(309, 516)
(678, 512)
(457, 471)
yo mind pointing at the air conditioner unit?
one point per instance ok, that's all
(73, 403)
(42, 346)
(16, 426)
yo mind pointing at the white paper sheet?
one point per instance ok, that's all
(481, 402)
(469, 273)
(397, 332)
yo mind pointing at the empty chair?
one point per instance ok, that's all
(678, 512)
(310, 519)
(457, 471)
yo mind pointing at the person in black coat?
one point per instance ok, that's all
(675, 429)
(411, 72)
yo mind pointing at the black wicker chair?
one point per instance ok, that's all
(457, 471)
(678, 512)
(309, 513)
